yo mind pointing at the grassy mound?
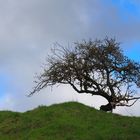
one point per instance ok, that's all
(67, 121)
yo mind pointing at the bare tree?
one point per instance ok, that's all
(95, 67)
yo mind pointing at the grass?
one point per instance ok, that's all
(67, 121)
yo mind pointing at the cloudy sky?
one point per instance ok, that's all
(29, 28)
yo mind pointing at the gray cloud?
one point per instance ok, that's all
(29, 28)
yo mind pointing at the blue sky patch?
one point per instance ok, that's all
(4, 84)
(132, 50)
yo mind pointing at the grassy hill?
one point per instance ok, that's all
(67, 121)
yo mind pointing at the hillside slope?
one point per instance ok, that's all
(67, 121)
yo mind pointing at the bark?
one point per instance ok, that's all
(107, 107)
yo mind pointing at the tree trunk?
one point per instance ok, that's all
(107, 107)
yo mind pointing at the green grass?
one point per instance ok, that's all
(67, 121)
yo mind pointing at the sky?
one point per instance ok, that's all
(28, 30)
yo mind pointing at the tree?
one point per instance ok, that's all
(95, 67)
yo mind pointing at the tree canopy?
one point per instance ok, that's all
(96, 67)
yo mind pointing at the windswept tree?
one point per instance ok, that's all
(95, 67)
